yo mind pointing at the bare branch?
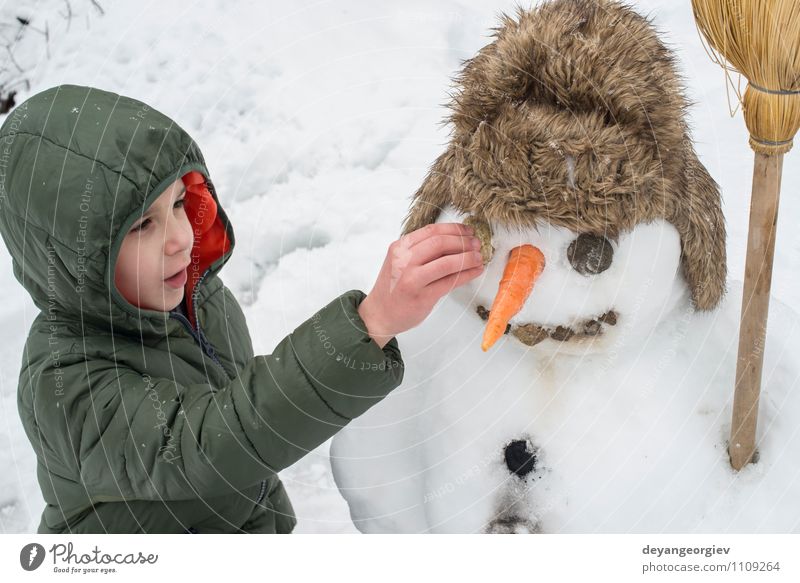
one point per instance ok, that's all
(13, 60)
(69, 14)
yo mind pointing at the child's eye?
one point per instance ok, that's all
(140, 226)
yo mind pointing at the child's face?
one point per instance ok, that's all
(158, 245)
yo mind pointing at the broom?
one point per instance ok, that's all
(761, 40)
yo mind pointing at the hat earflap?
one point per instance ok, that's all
(433, 195)
(701, 226)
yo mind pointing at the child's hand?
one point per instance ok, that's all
(419, 268)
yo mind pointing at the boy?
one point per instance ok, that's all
(139, 389)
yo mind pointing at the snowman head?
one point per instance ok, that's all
(569, 134)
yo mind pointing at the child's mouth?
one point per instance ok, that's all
(178, 280)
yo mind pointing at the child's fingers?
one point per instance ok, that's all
(434, 247)
(447, 284)
(444, 266)
(434, 229)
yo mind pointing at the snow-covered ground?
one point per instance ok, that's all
(318, 121)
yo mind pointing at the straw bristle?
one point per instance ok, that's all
(761, 40)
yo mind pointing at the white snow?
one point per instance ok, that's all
(318, 121)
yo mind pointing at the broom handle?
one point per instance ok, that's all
(755, 305)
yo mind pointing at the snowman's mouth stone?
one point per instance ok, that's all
(532, 334)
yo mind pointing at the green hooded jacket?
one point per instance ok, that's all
(140, 421)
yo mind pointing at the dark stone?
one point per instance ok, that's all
(592, 328)
(530, 334)
(562, 333)
(590, 254)
(609, 318)
(513, 525)
(519, 460)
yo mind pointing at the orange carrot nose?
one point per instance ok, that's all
(525, 264)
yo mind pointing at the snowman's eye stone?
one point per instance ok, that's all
(590, 254)
(484, 234)
(520, 460)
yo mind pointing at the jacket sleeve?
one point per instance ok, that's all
(154, 438)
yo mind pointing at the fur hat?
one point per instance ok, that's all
(574, 115)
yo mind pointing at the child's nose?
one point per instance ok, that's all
(178, 235)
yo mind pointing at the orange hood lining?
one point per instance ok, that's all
(210, 236)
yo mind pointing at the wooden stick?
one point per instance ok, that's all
(755, 306)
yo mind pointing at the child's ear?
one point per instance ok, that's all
(433, 195)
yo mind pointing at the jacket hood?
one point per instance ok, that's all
(78, 165)
(575, 115)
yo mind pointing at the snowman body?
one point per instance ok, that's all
(584, 435)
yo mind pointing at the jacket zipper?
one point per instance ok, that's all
(201, 340)
(198, 336)
(263, 491)
(207, 347)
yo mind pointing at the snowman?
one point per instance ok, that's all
(585, 406)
